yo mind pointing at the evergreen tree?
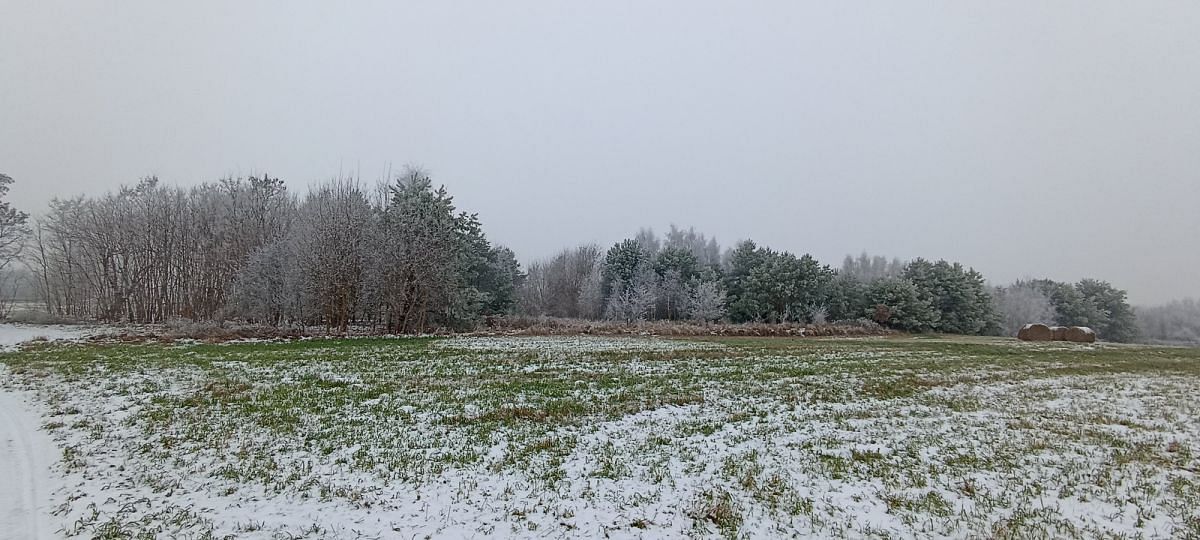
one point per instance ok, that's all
(743, 302)
(499, 280)
(1070, 307)
(899, 304)
(1092, 303)
(959, 296)
(1117, 321)
(623, 264)
(629, 282)
(847, 298)
(771, 286)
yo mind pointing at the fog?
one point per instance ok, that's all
(1025, 139)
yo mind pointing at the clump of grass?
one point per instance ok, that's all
(930, 503)
(717, 506)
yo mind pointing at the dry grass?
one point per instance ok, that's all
(220, 332)
(553, 326)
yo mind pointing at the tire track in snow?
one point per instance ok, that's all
(24, 473)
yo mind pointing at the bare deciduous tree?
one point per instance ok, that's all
(14, 228)
(566, 285)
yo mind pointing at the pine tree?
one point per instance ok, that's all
(898, 303)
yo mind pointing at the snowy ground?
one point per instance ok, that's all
(26, 454)
(13, 334)
(618, 438)
(27, 486)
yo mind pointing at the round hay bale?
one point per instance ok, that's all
(1081, 334)
(1058, 333)
(1035, 332)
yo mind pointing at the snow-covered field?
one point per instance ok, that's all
(618, 438)
(26, 454)
(27, 486)
(13, 334)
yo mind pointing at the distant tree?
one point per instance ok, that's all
(14, 229)
(744, 301)
(149, 252)
(847, 298)
(866, 268)
(707, 302)
(958, 294)
(14, 226)
(678, 259)
(401, 257)
(624, 264)
(591, 295)
(706, 250)
(673, 295)
(59, 262)
(677, 272)
(648, 240)
(631, 302)
(1117, 321)
(1020, 304)
(565, 285)
(765, 285)
(899, 304)
(795, 287)
(331, 245)
(1177, 322)
(268, 289)
(1092, 303)
(534, 292)
(434, 259)
(469, 296)
(848, 291)
(1070, 307)
(498, 278)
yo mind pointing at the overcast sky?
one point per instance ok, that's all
(1057, 139)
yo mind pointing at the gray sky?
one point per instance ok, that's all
(1057, 139)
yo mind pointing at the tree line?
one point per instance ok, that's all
(400, 257)
(686, 276)
(1177, 322)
